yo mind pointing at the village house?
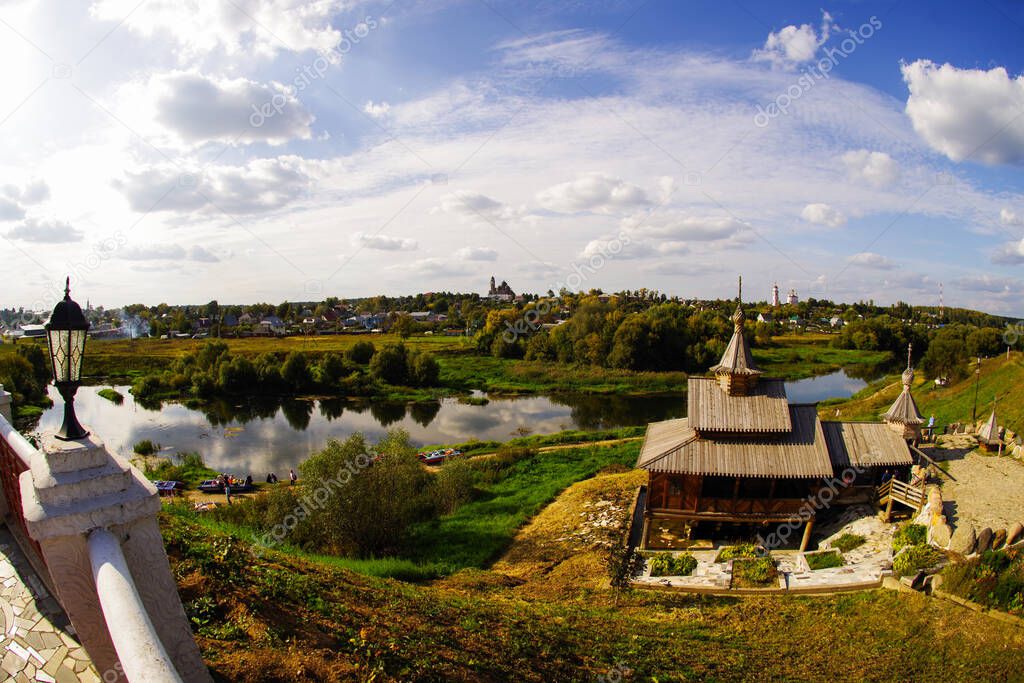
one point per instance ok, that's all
(746, 459)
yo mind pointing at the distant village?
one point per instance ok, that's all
(448, 313)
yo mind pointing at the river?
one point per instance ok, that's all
(263, 436)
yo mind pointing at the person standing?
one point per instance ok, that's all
(227, 489)
(292, 477)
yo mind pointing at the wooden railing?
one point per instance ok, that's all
(897, 491)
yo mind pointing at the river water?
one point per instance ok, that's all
(263, 436)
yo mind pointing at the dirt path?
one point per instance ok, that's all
(986, 491)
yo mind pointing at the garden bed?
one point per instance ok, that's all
(824, 559)
(758, 572)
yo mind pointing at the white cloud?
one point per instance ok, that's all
(592, 192)
(14, 199)
(992, 284)
(199, 108)
(867, 259)
(46, 231)
(261, 185)
(152, 252)
(878, 169)
(202, 254)
(383, 242)
(261, 27)
(377, 110)
(1007, 217)
(474, 205)
(10, 210)
(1010, 254)
(823, 214)
(967, 113)
(476, 254)
(793, 45)
(681, 226)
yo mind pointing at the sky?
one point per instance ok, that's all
(264, 150)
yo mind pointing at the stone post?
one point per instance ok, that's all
(5, 405)
(75, 487)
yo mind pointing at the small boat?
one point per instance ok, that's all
(169, 488)
(217, 486)
(434, 457)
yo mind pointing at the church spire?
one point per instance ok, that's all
(904, 415)
(737, 373)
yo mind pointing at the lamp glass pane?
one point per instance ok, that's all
(60, 342)
(76, 350)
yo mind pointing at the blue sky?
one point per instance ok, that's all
(178, 150)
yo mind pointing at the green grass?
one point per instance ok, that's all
(909, 534)
(754, 573)
(799, 356)
(189, 469)
(476, 533)
(742, 550)
(848, 542)
(665, 564)
(825, 560)
(572, 436)
(112, 395)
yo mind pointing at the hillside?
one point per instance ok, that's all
(999, 377)
(274, 617)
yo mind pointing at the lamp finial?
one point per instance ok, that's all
(67, 288)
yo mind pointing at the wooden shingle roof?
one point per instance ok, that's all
(864, 444)
(764, 409)
(673, 447)
(737, 359)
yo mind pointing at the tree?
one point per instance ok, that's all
(985, 342)
(403, 326)
(391, 364)
(946, 357)
(361, 352)
(623, 564)
(295, 371)
(424, 370)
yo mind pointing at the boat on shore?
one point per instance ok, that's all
(438, 456)
(217, 486)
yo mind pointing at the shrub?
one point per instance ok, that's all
(747, 550)
(361, 352)
(996, 579)
(146, 447)
(909, 534)
(848, 542)
(915, 558)
(825, 560)
(112, 395)
(454, 484)
(664, 564)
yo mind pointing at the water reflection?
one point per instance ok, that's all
(259, 435)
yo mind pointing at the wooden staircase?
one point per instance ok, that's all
(899, 492)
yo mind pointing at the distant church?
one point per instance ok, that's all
(500, 292)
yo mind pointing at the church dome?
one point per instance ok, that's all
(908, 376)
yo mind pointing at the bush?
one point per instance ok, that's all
(664, 564)
(909, 534)
(112, 395)
(361, 352)
(746, 550)
(915, 558)
(454, 484)
(146, 447)
(825, 560)
(995, 580)
(848, 542)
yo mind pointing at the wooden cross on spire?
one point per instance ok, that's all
(909, 347)
(739, 295)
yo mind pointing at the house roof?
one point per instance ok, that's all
(904, 410)
(990, 432)
(864, 444)
(763, 409)
(674, 447)
(737, 359)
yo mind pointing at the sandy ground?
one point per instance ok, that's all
(988, 491)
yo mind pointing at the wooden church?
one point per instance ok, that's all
(745, 458)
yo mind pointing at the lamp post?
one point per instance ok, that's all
(977, 380)
(65, 336)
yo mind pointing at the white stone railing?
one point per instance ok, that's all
(89, 519)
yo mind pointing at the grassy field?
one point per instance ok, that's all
(269, 616)
(999, 377)
(810, 355)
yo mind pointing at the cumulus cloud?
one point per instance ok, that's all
(167, 252)
(383, 242)
(793, 45)
(202, 26)
(680, 226)
(867, 259)
(11, 210)
(474, 205)
(592, 192)
(202, 254)
(823, 214)
(261, 185)
(45, 231)
(376, 110)
(14, 199)
(190, 108)
(967, 113)
(875, 168)
(476, 254)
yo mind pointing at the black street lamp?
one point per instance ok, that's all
(65, 335)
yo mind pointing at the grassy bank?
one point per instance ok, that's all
(999, 377)
(271, 616)
(810, 355)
